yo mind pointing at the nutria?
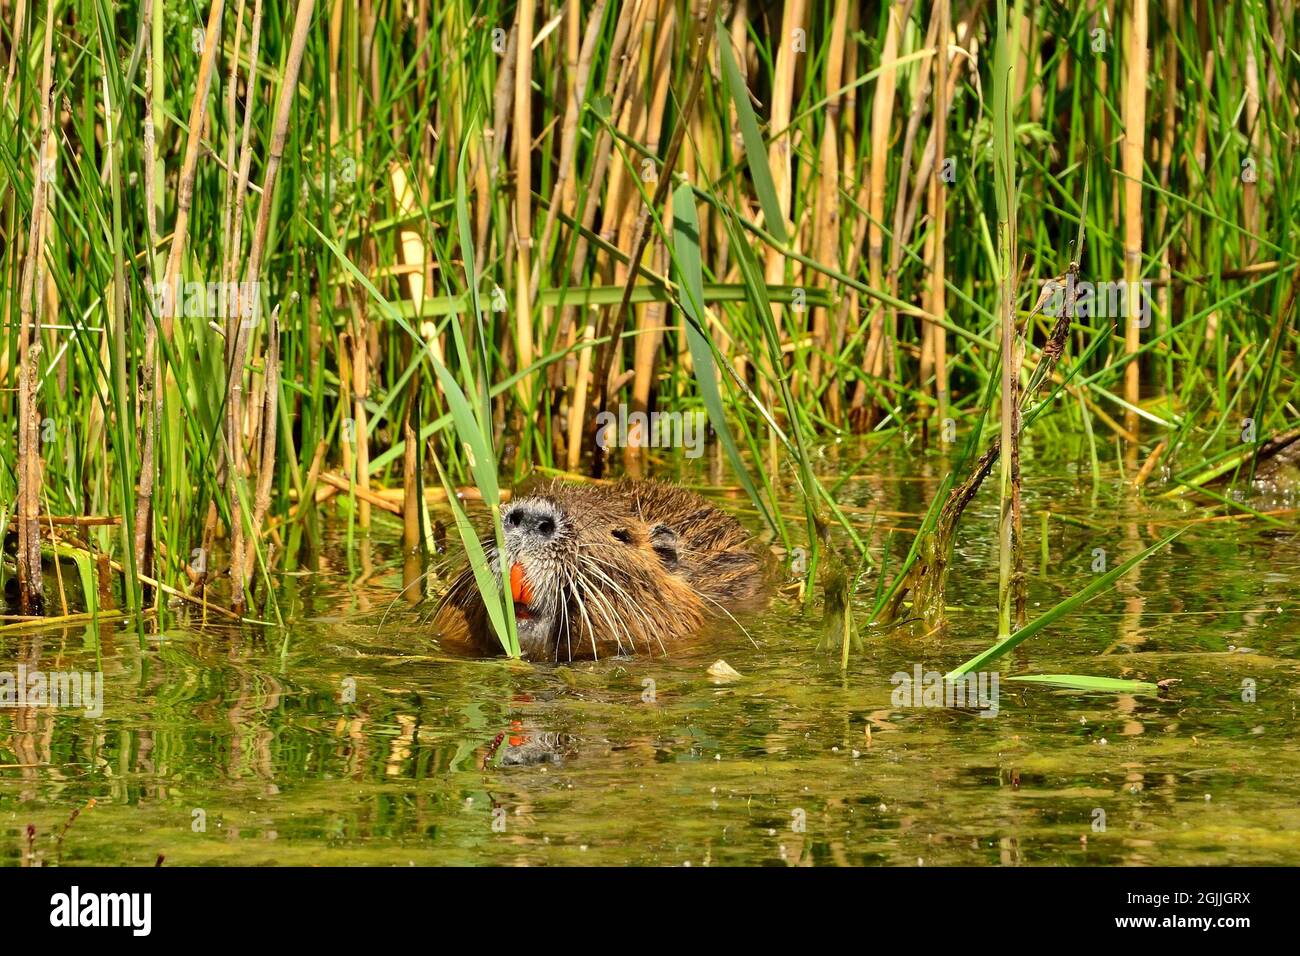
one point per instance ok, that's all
(601, 570)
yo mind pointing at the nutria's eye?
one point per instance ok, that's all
(622, 534)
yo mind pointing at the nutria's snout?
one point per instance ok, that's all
(595, 571)
(532, 521)
(538, 543)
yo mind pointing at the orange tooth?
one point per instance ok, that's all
(520, 590)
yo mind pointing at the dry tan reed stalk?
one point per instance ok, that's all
(564, 195)
(523, 172)
(902, 228)
(361, 328)
(235, 373)
(793, 18)
(879, 335)
(826, 229)
(616, 83)
(151, 407)
(31, 590)
(931, 156)
(360, 395)
(700, 42)
(650, 316)
(77, 544)
(1167, 130)
(20, 14)
(189, 163)
(240, 192)
(650, 334)
(1150, 465)
(1134, 134)
(411, 536)
(270, 410)
(849, 165)
(228, 186)
(169, 293)
(345, 483)
(935, 334)
(573, 37)
(412, 253)
(1250, 187)
(495, 146)
(620, 212)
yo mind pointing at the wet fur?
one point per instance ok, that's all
(634, 568)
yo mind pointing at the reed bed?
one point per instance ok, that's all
(268, 263)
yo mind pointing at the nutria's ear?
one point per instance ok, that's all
(664, 541)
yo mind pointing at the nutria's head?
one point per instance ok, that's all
(596, 571)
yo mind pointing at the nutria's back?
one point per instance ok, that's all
(599, 570)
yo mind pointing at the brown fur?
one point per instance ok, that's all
(631, 568)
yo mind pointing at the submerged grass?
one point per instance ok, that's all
(253, 251)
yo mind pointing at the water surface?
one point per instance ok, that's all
(225, 744)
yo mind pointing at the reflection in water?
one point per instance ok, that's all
(337, 740)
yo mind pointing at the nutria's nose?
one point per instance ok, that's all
(532, 518)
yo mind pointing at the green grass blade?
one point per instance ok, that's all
(686, 240)
(755, 148)
(1102, 583)
(1110, 685)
